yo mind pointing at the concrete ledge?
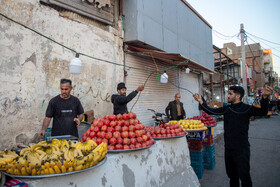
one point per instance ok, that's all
(167, 163)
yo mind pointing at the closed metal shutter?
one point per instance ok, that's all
(155, 95)
(189, 81)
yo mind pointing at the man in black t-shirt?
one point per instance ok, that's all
(66, 111)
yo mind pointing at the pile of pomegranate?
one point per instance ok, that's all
(206, 119)
(119, 132)
(166, 130)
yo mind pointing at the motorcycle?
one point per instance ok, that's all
(160, 118)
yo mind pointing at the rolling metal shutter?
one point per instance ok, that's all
(191, 82)
(155, 95)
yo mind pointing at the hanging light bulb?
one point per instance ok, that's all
(164, 77)
(187, 69)
(76, 65)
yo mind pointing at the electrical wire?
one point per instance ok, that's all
(229, 108)
(263, 39)
(158, 72)
(141, 91)
(153, 73)
(73, 50)
(177, 86)
(251, 52)
(268, 45)
(83, 54)
(107, 61)
(225, 35)
(263, 47)
(38, 33)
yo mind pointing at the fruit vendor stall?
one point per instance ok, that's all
(114, 150)
(163, 164)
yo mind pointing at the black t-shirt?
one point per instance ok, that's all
(63, 112)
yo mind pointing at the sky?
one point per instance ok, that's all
(260, 18)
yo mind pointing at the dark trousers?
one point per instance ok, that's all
(178, 117)
(237, 163)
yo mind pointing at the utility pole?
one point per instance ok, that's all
(243, 65)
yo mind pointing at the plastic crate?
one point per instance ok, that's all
(48, 133)
(209, 163)
(195, 145)
(196, 135)
(198, 169)
(208, 151)
(209, 131)
(208, 140)
(196, 157)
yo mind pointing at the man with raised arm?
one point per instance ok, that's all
(236, 125)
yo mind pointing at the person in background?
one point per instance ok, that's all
(236, 125)
(66, 111)
(120, 100)
(278, 105)
(175, 109)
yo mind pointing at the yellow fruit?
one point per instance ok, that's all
(17, 171)
(46, 171)
(87, 165)
(58, 163)
(79, 167)
(28, 169)
(47, 164)
(56, 169)
(23, 171)
(33, 171)
(65, 164)
(63, 169)
(42, 172)
(51, 170)
(70, 169)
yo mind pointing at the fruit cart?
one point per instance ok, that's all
(164, 160)
(122, 134)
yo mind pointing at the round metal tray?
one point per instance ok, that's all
(166, 138)
(56, 175)
(195, 130)
(128, 150)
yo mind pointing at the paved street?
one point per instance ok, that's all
(265, 156)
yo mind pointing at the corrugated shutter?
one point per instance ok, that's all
(189, 81)
(155, 95)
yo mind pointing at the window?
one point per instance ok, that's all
(101, 10)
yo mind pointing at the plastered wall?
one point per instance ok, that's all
(31, 66)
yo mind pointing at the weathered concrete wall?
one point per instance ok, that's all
(167, 163)
(31, 66)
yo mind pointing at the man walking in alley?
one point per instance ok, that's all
(236, 125)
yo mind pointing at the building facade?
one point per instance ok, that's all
(254, 64)
(40, 38)
(32, 65)
(165, 35)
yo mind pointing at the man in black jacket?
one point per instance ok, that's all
(175, 109)
(236, 125)
(120, 100)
